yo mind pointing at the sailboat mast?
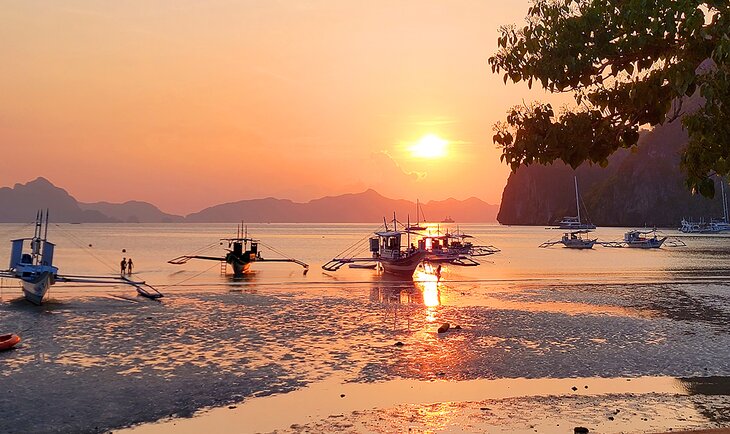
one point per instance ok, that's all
(577, 202)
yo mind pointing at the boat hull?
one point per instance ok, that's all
(240, 268)
(582, 245)
(403, 266)
(35, 290)
(647, 244)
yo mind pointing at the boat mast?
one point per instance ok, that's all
(45, 235)
(724, 200)
(577, 202)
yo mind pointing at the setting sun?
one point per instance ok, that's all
(429, 146)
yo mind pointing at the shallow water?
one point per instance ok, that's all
(103, 358)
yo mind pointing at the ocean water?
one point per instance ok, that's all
(104, 358)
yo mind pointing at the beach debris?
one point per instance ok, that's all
(458, 327)
(574, 388)
(580, 430)
(444, 327)
(484, 408)
(231, 407)
(8, 341)
(610, 417)
(399, 344)
(342, 395)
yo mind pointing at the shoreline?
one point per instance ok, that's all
(331, 405)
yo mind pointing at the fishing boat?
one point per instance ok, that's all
(242, 251)
(36, 272)
(573, 240)
(448, 219)
(453, 247)
(575, 222)
(645, 239)
(386, 249)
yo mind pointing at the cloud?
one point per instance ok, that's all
(388, 168)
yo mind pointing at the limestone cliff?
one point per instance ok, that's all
(641, 187)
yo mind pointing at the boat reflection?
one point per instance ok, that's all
(424, 289)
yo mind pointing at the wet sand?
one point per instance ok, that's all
(104, 362)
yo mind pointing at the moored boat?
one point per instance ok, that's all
(573, 240)
(35, 269)
(242, 251)
(575, 223)
(386, 249)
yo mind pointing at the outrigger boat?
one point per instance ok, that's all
(37, 273)
(454, 247)
(573, 240)
(386, 249)
(645, 239)
(575, 222)
(242, 251)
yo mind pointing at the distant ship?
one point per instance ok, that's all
(448, 219)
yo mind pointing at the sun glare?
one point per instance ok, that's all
(429, 146)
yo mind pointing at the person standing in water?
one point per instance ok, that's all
(123, 265)
(129, 266)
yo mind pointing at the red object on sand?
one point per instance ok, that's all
(8, 341)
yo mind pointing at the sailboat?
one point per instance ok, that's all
(386, 249)
(418, 226)
(35, 269)
(575, 222)
(242, 251)
(713, 226)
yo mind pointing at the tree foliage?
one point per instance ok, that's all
(628, 63)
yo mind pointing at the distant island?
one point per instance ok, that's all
(20, 203)
(640, 187)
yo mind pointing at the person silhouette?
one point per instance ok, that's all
(123, 265)
(129, 266)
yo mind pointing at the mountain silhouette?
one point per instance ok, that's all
(20, 203)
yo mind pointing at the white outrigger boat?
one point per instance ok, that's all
(575, 222)
(242, 251)
(37, 273)
(645, 239)
(386, 250)
(573, 240)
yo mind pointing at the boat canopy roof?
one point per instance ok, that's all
(582, 231)
(388, 233)
(243, 239)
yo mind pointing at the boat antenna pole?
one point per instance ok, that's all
(385, 223)
(577, 203)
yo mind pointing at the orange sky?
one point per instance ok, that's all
(187, 104)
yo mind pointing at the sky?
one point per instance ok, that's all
(187, 104)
